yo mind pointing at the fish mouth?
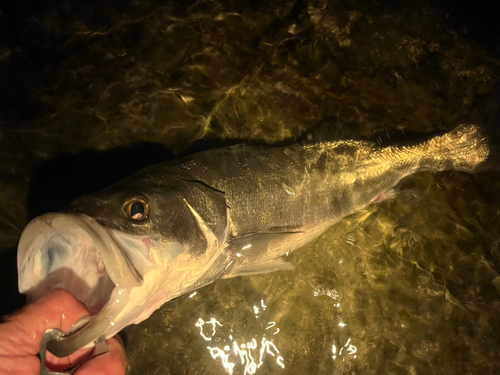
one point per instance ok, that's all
(75, 253)
(122, 278)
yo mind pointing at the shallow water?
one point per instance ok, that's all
(409, 286)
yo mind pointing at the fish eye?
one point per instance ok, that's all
(136, 209)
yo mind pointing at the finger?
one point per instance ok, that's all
(60, 364)
(111, 363)
(29, 365)
(22, 332)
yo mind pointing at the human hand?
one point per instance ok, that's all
(21, 335)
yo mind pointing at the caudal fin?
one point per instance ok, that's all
(464, 149)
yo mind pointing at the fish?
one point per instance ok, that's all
(175, 227)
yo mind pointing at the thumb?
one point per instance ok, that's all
(22, 332)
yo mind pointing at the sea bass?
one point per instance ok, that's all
(175, 227)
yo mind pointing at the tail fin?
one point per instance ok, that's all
(471, 147)
(464, 149)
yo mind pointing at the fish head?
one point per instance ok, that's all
(124, 251)
(157, 213)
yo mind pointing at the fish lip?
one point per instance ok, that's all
(85, 333)
(65, 225)
(63, 232)
(35, 239)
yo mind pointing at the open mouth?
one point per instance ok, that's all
(75, 253)
(120, 277)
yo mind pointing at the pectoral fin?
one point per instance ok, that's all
(255, 252)
(273, 265)
(259, 244)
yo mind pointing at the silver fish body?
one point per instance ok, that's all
(175, 227)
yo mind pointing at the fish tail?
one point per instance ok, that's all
(477, 140)
(465, 149)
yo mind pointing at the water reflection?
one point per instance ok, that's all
(250, 354)
(347, 349)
